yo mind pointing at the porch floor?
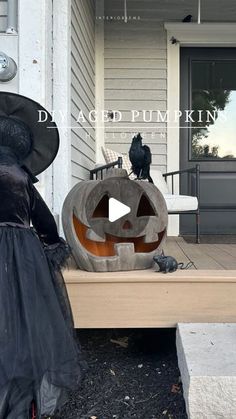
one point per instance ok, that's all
(217, 252)
(205, 293)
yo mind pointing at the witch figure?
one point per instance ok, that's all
(40, 360)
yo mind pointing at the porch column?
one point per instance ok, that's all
(61, 100)
(173, 105)
(34, 64)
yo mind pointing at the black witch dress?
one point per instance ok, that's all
(39, 357)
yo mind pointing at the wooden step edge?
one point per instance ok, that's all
(150, 276)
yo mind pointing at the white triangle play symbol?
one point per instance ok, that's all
(117, 210)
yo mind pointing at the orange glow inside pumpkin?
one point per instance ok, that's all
(107, 248)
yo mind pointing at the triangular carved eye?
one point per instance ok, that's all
(102, 208)
(145, 207)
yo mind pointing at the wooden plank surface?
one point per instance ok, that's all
(204, 255)
(198, 254)
(172, 248)
(224, 258)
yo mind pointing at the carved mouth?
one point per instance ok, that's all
(108, 248)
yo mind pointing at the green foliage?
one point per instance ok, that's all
(209, 102)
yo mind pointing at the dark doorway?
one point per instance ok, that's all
(208, 135)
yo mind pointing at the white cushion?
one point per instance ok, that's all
(180, 203)
(111, 156)
(159, 181)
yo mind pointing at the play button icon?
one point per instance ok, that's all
(117, 209)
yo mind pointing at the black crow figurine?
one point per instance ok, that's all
(187, 19)
(141, 158)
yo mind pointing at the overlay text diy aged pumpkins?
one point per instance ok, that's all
(125, 244)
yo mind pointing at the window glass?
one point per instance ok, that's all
(213, 97)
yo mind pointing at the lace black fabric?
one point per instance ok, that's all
(15, 135)
(39, 357)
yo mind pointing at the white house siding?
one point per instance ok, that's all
(136, 65)
(135, 79)
(3, 15)
(82, 87)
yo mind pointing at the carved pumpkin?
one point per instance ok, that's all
(125, 244)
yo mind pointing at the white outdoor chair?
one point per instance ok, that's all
(178, 203)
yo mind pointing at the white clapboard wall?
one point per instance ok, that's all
(135, 79)
(3, 15)
(136, 65)
(82, 87)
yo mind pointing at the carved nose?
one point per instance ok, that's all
(127, 225)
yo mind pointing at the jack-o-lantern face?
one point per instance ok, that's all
(127, 243)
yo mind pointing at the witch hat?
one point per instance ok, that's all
(44, 135)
